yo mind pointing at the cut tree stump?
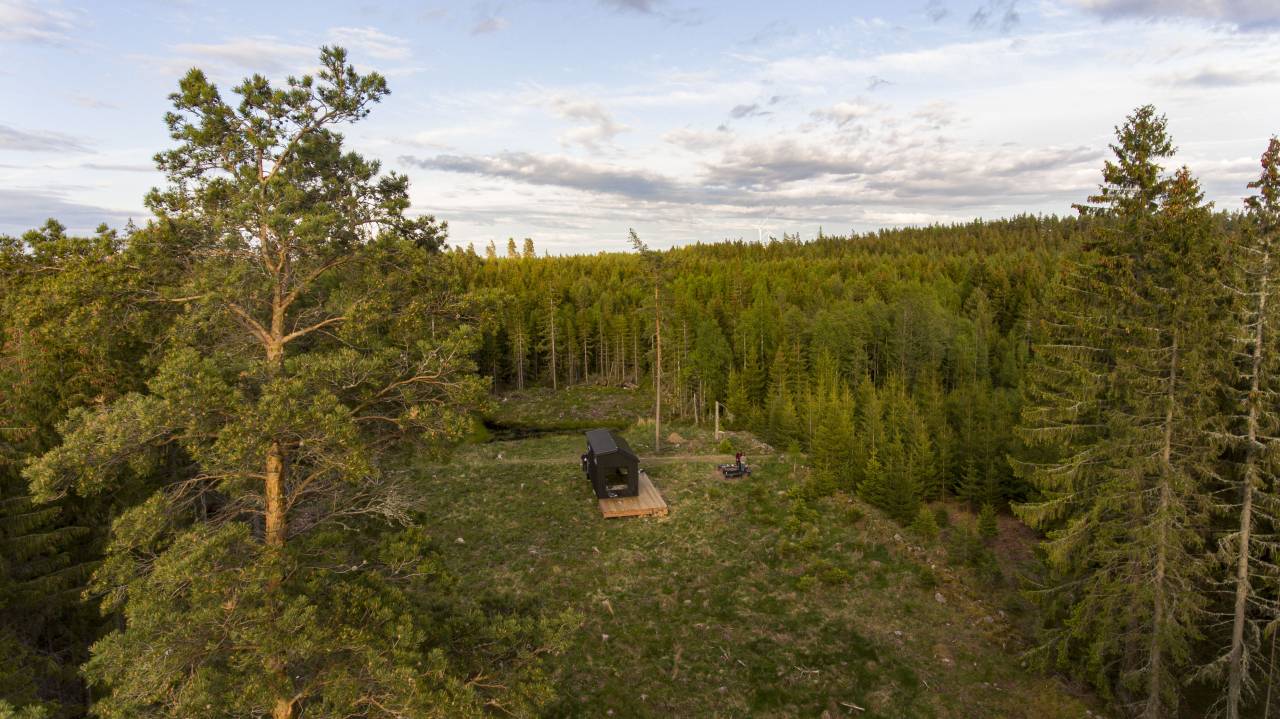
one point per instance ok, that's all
(647, 503)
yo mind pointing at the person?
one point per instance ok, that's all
(737, 458)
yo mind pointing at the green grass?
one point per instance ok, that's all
(748, 600)
(574, 408)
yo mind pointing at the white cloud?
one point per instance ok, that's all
(697, 140)
(13, 139)
(25, 21)
(373, 42)
(23, 209)
(1246, 14)
(842, 113)
(259, 53)
(598, 126)
(489, 24)
(93, 103)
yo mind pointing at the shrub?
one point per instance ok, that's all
(831, 574)
(725, 446)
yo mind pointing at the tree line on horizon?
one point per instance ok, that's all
(207, 505)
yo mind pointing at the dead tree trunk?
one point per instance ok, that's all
(551, 318)
(657, 369)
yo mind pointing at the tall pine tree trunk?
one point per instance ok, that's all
(276, 523)
(275, 518)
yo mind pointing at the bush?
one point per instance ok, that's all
(854, 514)
(925, 575)
(725, 446)
(834, 575)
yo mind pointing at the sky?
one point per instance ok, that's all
(572, 121)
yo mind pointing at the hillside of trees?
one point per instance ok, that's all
(208, 422)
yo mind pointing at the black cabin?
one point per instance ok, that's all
(614, 470)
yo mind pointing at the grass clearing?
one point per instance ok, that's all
(748, 600)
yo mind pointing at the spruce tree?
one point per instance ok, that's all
(887, 487)
(988, 526)
(923, 460)
(870, 426)
(925, 525)
(979, 486)
(875, 488)
(1122, 392)
(1252, 506)
(75, 327)
(833, 444)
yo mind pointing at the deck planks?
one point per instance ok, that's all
(648, 502)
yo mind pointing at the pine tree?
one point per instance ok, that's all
(528, 252)
(512, 252)
(1120, 390)
(261, 440)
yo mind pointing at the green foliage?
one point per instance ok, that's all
(925, 525)
(988, 527)
(941, 516)
(1121, 406)
(284, 318)
(887, 489)
(8, 711)
(341, 635)
(315, 336)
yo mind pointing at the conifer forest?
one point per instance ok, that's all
(284, 447)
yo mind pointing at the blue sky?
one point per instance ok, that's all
(572, 121)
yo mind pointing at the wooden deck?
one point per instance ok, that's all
(648, 503)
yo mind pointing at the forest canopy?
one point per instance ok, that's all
(207, 498)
